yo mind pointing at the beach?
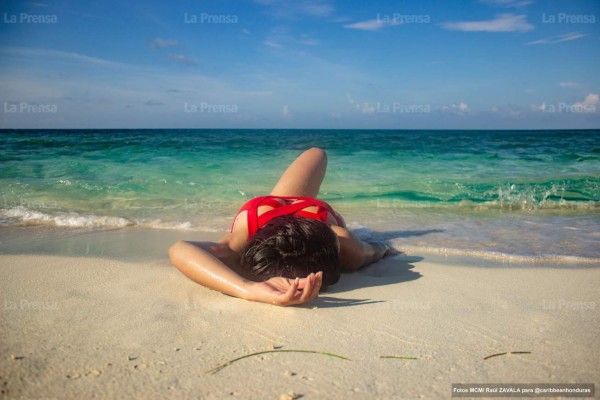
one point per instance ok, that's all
(105, 315)
(498, 233)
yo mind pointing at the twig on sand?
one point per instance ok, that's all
(508, 352)
(220, 367)
(400, 357)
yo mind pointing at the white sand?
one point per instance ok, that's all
(75, 327)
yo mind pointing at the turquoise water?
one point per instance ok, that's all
(532, 194)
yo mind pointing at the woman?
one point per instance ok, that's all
(282, 248)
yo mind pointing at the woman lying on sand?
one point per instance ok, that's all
(282, 248)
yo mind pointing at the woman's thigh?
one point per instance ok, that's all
(304, 175)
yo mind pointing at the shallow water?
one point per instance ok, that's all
(513, 195)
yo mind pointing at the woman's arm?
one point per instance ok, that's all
(202, 264)
(355, 253)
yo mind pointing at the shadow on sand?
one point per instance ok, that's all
(389, 271)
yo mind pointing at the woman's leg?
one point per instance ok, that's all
(304, 176)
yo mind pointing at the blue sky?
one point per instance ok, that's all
(419, 64)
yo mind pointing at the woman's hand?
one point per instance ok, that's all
(382, 250)
(390, 251)
(285, 291)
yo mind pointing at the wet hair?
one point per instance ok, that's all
(290, 246)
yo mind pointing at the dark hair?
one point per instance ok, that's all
(291, 247)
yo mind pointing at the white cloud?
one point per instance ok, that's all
(569, 84)
(293, 8)
(74, 57)
(280, 39)
(159, 43)
(182, 59)
(460, 108)
(372, 24)
(502, 23)
(558, 39)
(272, 44)
(315, 8)
(590, 101)
(307, 40)
(508, 3)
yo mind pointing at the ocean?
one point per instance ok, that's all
(512, 196)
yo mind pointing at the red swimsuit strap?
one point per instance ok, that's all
(255, 222)
(289, 209)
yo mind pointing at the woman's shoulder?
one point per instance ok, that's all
(341, 231)
(236, 240)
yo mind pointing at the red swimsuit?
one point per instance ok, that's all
(255, 221)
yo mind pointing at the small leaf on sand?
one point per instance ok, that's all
(220, 367)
